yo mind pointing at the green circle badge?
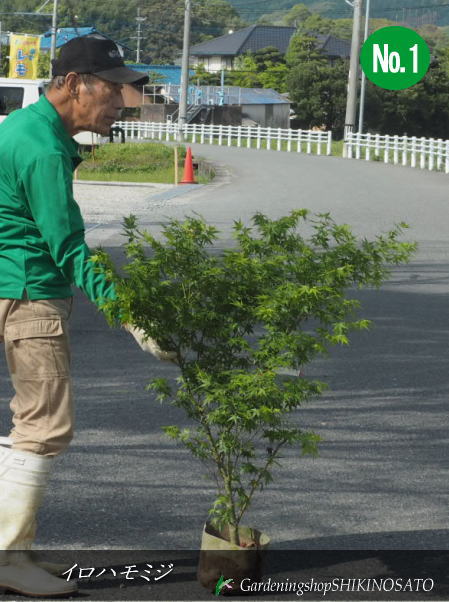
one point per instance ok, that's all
(395, 58)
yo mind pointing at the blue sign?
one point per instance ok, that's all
(21, 70)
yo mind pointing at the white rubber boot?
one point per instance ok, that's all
(51, 567)
(23, 478)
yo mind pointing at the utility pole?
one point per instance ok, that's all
(53, 35)
(185, 68)
(351, 103)
(363, 86)
(139, 20)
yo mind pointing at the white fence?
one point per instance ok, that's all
(248, 137)
(426, 153)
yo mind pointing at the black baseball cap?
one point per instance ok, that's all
(96, 56)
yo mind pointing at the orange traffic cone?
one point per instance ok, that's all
(188, 177)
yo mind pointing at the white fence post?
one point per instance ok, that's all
(368, 147)
(404, 150)
(387, 149)
(396, 150)
(413, 157)
(309, 142)
(422, 158)
(439, 153)
(358, 146)
(431, 154)
(377, 146)
(349, 145)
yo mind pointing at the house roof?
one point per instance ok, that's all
(333, 46)
(65, 34)
(232, 95)
(169, 74)
(257, 96)
(252, 38)
(256, 37)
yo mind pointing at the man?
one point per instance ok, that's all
(43, 252)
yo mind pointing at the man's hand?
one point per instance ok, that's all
(150, 345)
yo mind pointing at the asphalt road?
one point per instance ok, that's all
(381, 478)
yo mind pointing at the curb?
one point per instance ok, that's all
(131, 184)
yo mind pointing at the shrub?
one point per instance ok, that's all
(236, 320)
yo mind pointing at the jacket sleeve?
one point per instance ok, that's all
(48, 186)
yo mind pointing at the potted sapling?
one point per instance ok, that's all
(243, 322)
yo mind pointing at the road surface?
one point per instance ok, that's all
(381, 478)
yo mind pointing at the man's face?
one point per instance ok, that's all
(99, 104)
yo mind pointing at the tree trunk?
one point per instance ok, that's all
(234, 535)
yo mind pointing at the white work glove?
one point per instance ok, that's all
(150, 345)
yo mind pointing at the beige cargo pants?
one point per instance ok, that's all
(36, 339)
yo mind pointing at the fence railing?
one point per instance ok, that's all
(426, 153)
(241, 136)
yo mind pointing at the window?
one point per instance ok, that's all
(10, 99)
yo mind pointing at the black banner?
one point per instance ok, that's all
(276, 575)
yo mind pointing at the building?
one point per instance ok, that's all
(229, 105)
(161, 74)
(220, 53)
(65, 34)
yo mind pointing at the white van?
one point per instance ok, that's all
(19, 93)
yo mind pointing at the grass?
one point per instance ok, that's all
(130, 162)
(337, 148)
(154, 161)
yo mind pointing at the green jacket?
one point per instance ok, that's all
(42, 246)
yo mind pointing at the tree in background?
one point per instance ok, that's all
(201, 77)
(303, 48)
(297, 15)
(4, 65)
(43, 65)
(422, 110)
(437, 38)
(162, 30)
(406, 12)
(246, 72)
(164, 26)
(265, 68)
(317, 88)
